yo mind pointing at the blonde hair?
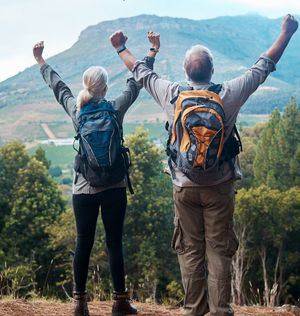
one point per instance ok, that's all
(94, 81)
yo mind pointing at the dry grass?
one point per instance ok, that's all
(9, 307)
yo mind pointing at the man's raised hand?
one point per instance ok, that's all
(154, 39)
(118, 39)
(38, 49)
(289, 25)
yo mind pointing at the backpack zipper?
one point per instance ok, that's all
(109, 151)
(88, 145)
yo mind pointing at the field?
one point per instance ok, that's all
(24, 121)
(63, 155)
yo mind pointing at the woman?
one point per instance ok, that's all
(88, 199)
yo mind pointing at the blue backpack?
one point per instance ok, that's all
(101, 159)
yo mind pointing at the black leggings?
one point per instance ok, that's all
(113, 204)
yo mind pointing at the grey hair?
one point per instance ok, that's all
(94, 81)
(198, 64)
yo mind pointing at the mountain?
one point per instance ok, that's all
(236, 43)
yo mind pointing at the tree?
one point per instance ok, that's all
(37, 204)
(149, 220)
(55, 171)
(289, 143)
(267, 220)
(62, 236)
(242, 259)
(266, 159)
(13, 157)
(247, 157)
(276, 162)
(40, 155)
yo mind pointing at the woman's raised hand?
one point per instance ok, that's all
(38, 52)
(154, 39)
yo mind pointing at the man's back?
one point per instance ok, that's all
(234, 94)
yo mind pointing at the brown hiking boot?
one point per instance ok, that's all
(122, 306)
(80, 304)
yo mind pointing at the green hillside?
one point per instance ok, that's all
(236, 42)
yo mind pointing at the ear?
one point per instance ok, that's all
(212, 71)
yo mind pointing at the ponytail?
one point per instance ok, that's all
(94, 81)
(83, 97)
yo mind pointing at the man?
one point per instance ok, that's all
(204, 212)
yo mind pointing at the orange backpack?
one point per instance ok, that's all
(196, 136)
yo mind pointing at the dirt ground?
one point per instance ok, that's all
(49, 308)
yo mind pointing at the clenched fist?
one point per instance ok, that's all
(118, 39)
(154, 39)
(38, 52)
(289, 25)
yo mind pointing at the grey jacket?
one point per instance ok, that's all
(66, 98)
(234, 94)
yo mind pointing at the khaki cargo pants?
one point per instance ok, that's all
(205, 243)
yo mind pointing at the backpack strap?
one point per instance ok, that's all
(180, 89)
(168, 151)
(216, 88)
(127, 161)
(77, 162)
(129, 183)
(232, 147)
(236, 133)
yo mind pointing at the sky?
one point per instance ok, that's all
(59, 22)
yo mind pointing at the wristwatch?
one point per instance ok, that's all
(153, 49)
(121, 49)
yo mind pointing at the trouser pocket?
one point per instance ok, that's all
(225, 246)
(178, 244)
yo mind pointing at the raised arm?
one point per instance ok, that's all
(118, 41)
(289, 27)
(61, 91)
(127, 97)
(132, 89)
(161, 90)
(239, 89)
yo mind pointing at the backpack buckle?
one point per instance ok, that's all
(76, 137)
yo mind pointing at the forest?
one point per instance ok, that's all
(37, 229)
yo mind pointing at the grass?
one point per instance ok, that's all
(62, 156)
(156, 129)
